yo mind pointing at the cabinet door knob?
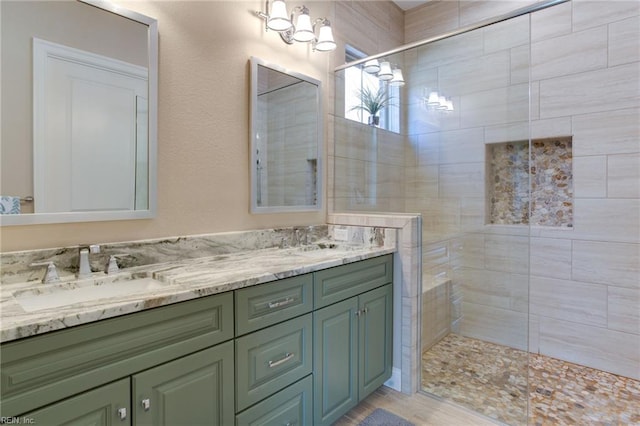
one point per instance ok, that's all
(122, 413)
(146, 404)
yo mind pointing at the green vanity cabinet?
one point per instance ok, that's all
(299, 351)
(48, 368)
(352, 352)
(108, 405)
(193, 390)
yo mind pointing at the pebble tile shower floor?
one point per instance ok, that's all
(492, 379)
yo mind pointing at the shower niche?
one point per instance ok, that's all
(545, 167)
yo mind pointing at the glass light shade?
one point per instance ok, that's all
(278, 18)
(398, 79)
(325, 41)
(442, 102)
(304, 30)
(434, 99)
(372, 66)
(449, 105)
(385, 71)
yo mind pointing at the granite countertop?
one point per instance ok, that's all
(174, 282)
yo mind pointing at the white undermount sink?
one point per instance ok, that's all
(66, 294)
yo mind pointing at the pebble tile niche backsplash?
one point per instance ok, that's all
(550, 171)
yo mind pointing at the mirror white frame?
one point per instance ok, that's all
(253, 132)
(92, 216)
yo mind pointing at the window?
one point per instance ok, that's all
(357, 79)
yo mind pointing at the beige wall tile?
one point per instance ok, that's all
(534, 333)
(623, 41)
(391, 147)
(476, 11)
(472, 214)
(506, 34)
(468, 251)
(551, 257)
(426, 184)
(591, 13)
(507, 253)
(428, 149)
(591, 346)
(461, 146)
(570, 54)
(497, 106)
(491, 288)
(432, 19)
(363, 37)
(461, 180)
(436, 316)
(520, 64)
(615, 264)
(506, 132)
(624, 309)
(608, 89)
(458, 48)
(496, 325)
(620, 129)
(623, 176)
(551, 128)
(569, 300)
(607, 219)
(590, 177)
(551, 22)
(475, 74)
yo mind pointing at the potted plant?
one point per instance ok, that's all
(372, 102)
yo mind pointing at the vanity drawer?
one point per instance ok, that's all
(335, 284)
(290, 406)
(271, 359)
(47, 368)
(267, 304)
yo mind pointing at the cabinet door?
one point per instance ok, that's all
(335, 354)
(106, 405)
(194, 390)
(375, 339)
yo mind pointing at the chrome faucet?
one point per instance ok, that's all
(51, 276)
(84, 266)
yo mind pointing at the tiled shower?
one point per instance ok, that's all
(529, 192)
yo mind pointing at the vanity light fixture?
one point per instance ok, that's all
(398, 79)
(384, 71)
(303, 31)
(437, 101)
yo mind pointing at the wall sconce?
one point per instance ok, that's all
(303, 31)
(384, 71)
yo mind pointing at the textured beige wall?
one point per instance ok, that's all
(203, 157)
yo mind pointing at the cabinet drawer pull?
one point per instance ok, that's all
(146, 404)
(288, 356)
(122, 413)
(282, 302)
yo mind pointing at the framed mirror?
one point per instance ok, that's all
(286, 140)
(79, 112)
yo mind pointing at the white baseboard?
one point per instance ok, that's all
(395, 382)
